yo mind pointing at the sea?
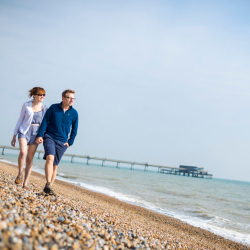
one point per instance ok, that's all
(218, 205)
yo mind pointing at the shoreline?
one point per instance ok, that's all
(232, 235)
(149, 225)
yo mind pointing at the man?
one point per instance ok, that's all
(57, 132)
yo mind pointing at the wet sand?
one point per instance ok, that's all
(81, 219)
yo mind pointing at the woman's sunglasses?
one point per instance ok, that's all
(40, 94)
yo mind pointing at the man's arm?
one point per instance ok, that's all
(44, 124)
(73, 131)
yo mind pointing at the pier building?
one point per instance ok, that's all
(188, 171)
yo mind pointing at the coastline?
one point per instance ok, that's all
(150, 230)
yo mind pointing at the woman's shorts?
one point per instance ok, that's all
(53, 147)
(30, 136)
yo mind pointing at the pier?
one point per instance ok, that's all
(181, 170)
(188, 171)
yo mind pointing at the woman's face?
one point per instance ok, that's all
(39, 97)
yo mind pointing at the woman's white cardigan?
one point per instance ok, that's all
(26, 117)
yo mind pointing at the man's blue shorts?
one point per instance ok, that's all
(53, 147)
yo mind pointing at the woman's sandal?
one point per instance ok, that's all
(18, 180)
(25, 187)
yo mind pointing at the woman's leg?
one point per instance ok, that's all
(29, 162)
(54, 174)
(22, 154)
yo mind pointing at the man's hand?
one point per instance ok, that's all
(66, 144)
(39, 140)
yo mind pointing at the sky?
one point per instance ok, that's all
(163, 82)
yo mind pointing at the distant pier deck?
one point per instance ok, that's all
(187, 171)
(181, 170)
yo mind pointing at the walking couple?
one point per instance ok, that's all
(56, 127)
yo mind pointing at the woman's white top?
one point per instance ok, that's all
(25, 119)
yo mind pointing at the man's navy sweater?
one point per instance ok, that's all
(58, 124)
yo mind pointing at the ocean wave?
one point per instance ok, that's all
(13, 163)
(176, 193)
(67, 176)
(226, 233)
(108, 192)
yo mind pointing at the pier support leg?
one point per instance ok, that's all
(87, 161)
(118, 165)
(39, 155)
(72, 159)
(132, 167)
(103, 163)
(3, 151)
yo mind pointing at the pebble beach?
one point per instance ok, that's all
(77, 218)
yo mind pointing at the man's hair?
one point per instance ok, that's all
(67, 91)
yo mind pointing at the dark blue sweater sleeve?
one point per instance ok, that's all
(44, 124)
(73, 131)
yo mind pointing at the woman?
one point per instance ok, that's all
(27, 126)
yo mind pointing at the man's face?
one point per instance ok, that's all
(68, 99)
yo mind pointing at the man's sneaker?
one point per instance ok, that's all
(47, 189)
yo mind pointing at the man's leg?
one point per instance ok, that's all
(60, 150)
(50, 150)
(48, 174)
(49, 167)
(54, 174)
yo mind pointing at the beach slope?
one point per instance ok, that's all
(81, 219)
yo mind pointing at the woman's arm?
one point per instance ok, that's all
(13, 142)
(19, 122)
